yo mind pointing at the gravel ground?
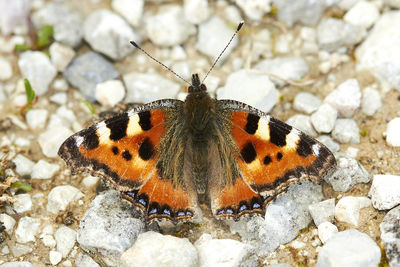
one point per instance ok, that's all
(329, 68)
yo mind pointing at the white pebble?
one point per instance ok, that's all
(60, 84)
(59, 98)
(65, 238)
(348, 209)
(8, 223)
(232, 14)
(44, 170)
(90, 181)
(324, 118)
(346, 131)
(326, 230)
(254, 9)
(49, 241)
(306, 102)
(371, 101)
(27, 229)
(23, 202)
(23, 165)
(131, 10)
(51, 140)
(196, 11)
(20, 141)
(323, 211)
(55, 257)
(62, 196)
(36, 118)
(363, 14)
(392, 132)
(385, 191)
(109, 93)
(5, 69)
(346, 98)
(61, 55)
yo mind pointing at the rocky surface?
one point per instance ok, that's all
(329, 68)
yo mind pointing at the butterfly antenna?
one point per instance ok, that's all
(159, 62)
(220, 54)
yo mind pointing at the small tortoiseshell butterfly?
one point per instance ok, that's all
(167, 155)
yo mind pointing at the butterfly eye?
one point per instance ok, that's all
(203, 87)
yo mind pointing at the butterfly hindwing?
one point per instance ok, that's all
(271, 156)
(124, 150)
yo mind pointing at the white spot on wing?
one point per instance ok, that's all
(103, 132)
(315, 149)
(133, 124)
(78, 140)
(263, 128)
(292, 139)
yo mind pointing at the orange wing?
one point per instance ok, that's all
(124, 151)
(271, 156)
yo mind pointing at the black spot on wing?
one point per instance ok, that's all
(144, 120)
(127, 155)
(115, 150)
(248, 152)
(278, 132)
(117, 126)
(90, 138)
(267, 160)
(279, 156)
(146, 149)
(252, 123)
(304, 146)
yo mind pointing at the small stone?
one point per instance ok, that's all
(254, 9)
(19, 250)
(84, 260)
(329, 143)
(60, 84)
(37, 68)
(20, 141)
(8, 223)
(261, 92)
(62, 196)
(90, 182)
(23, 165)
(348, 209)
(87, 70)
(14, 16)
(109, 34)
(232, 14)
(346, 131)
(287, 68)
(61, 55)
(27, 229)
(147, 87)
(324, 118)
(371, 101)
(67, 24)
(346, 98)
(109, 226)
(51, 140)
(44, 170)
(23, 202)
(392, 132)
(349, 248)
(302, 11)
(326, 230)
(212, 38)
(6, 71)
(389, 227)
(68, 263)
(303, 123)
(49, 241)
(196, 11)
(306, 102)
(55, 257)
(348, 173)
(363, 14)
(352, 152)
(59, 98)
(379, 53)
(385, 191)
(334, 34)
(169, 26)
(109, 93)
(183, 69)
(154, 249)
(131, 10)
(323, 211)
(216, 252)
(65, 238)
(36, 118)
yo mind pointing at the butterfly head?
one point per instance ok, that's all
(196, 86)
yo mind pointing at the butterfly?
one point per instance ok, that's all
(167, 155)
